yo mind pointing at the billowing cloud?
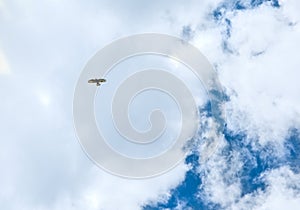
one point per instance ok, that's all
(43, 164)
(262, 72)
(259, 67)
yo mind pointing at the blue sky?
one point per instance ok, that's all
(253, 45)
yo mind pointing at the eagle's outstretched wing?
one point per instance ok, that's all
(97, 81)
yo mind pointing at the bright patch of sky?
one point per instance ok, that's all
(4, 66)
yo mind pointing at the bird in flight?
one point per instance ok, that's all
(97, 81)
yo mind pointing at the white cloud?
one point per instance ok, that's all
(130, 194)
(263, 73)
(282, 192)
(222, 185)
(261, 78)
(43, 164)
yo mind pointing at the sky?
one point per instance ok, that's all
(253, 46)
